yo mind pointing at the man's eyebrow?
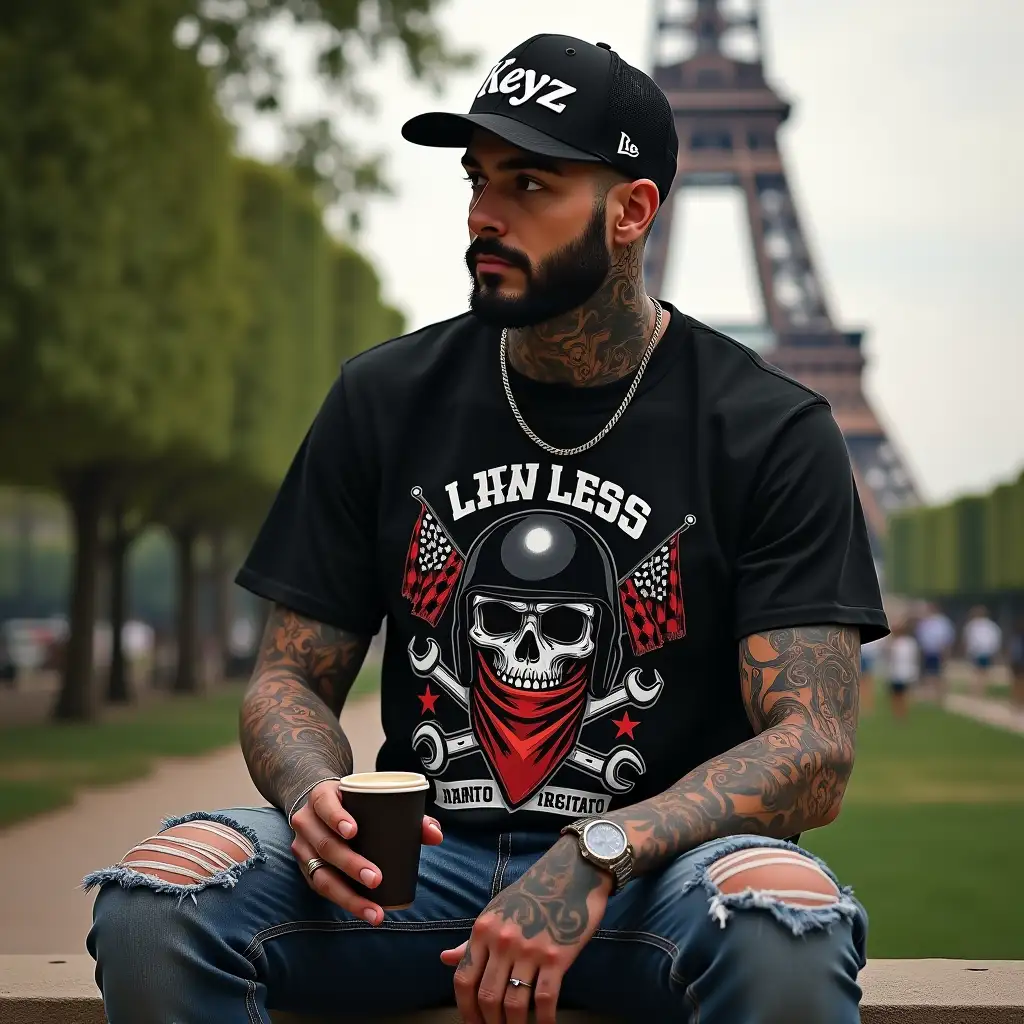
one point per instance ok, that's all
(526, 162)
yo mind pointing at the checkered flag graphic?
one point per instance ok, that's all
(432, 566)
(652, 597)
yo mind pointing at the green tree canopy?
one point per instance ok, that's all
(119, 283)
(118, 286)
(346, 38)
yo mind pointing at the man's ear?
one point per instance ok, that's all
(635, 205)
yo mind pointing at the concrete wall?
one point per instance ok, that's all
(34, 989)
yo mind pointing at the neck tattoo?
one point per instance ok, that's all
(596, 343)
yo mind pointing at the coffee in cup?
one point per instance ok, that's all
(388, 808)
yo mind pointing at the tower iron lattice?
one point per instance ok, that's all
(708, 58)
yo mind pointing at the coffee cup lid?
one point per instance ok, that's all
(384, 782)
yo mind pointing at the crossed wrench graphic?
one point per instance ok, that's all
(441, 747)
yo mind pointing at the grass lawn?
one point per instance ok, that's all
(931, 836)
(41, 766)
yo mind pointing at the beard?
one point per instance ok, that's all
(563, 281)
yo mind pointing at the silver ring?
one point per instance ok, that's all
(312, 864)
(515, 983)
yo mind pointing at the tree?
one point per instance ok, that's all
(118, 290)
(346, 37)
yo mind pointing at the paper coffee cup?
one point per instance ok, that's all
(388, 809)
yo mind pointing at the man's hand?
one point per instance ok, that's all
(317, 826)
(532, 930)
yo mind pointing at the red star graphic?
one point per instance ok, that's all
(625, 723)
(428, 700)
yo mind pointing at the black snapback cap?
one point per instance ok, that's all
(566, 98)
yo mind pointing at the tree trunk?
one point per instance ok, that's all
(78, 699)
(25, 524)
(119, 690)
(220, 573)
(186, 679)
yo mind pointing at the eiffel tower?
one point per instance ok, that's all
(728, 119)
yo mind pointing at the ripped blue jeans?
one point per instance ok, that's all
(255, 938)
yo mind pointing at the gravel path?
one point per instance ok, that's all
(42, 862)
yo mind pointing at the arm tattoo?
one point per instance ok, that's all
(552, 895)
(800, 688)
(288, 723)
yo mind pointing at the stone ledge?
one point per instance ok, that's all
(61, 990)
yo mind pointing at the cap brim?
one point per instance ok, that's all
(446, 130)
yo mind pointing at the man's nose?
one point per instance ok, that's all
(485, 218)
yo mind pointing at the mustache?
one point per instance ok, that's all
(492, 247)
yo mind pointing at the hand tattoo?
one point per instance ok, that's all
(598, 342)
(551, 896)
(288, 724)
(801, 691)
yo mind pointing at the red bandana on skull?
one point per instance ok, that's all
(526, 734)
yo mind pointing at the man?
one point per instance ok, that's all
(935, 636)
(983, 640)
(625, 576)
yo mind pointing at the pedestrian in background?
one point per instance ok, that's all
(904, 667)
(982, 642)
(1016, 660)
(872, 657)
(935, 637)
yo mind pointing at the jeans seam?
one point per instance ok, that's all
(291, 927)
(648, 938)
(508, 860)
(696, 1004)
(499, 866)
(251, 1009)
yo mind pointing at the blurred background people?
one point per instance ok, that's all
(935, 636)
(1015, 657)
(903, 666)
(982, 639)
(872, 656)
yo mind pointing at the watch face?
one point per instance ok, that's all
(605, 840)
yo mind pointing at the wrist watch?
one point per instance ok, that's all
(605, 845)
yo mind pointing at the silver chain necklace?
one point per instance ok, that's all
(618, 412)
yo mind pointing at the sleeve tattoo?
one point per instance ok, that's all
(289, 720)
(801, 692)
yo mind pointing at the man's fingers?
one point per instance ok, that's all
(432, 834)
(325, 800)
(328, 882)
(518, 997)
(467, 980)
(493, 985)
(451, 957)
(336, 851)
(545, 994)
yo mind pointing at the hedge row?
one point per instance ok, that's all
(971, 546)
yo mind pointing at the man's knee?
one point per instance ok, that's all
(186, 856)
(783, 937)
(192, 852)
(774, 873)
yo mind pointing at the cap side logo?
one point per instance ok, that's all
(529, 82)
(627, 146)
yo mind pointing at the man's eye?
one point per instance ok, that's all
(529, 185)
(473, 178)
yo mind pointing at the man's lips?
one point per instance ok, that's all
(491, 265)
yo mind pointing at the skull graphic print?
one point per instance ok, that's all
(539, 620)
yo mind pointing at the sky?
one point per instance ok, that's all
(906, 155)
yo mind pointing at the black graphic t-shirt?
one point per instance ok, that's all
(562, 631)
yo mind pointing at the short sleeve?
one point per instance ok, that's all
(804, 553)
(316, 550)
